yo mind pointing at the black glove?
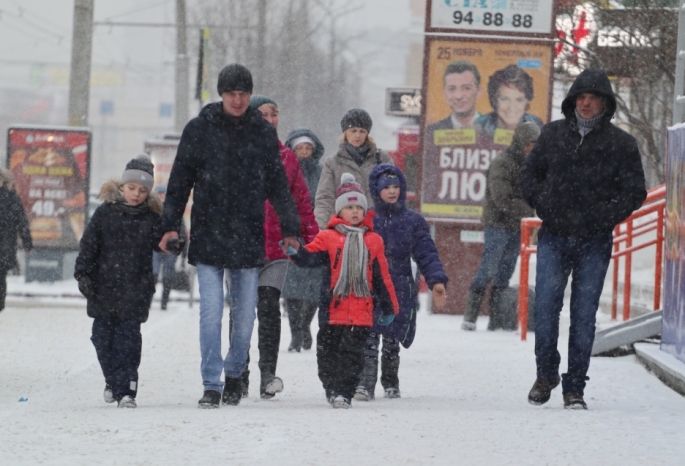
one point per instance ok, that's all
(175, 245)
(86, 287)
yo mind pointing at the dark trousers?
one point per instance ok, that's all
(269, 335)
(300, 316)
(340, 357)
(586, 260)
(390, 362)
(3, 288)
(500, 251)
(118, 344)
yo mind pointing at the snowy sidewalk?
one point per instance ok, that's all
(464, 402)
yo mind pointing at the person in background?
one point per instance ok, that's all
(357, 155)
(272, 274)
(502, 214)
(356, 277)
(406, 236)
(114, 273)
(164, 262)
(302, 285)
(13, 224)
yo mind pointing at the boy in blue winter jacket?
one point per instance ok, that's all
(406, 236)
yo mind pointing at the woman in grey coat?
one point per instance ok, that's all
(302, 285)
(357, 155)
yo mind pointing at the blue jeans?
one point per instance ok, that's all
(587, 259)
(500, 251)
(166, 262)
(243, 304)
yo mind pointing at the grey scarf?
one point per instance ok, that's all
(355, 258)
(587, 125)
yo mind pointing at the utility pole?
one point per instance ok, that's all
(261, 44)
(182, 79)
(81, 49)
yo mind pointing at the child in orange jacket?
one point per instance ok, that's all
(357, 275)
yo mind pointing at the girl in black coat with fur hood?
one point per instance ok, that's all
(114, 271)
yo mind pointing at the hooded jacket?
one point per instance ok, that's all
(13, 223)
(116, 254)
(305, 283)
(584, 186)
(504, 203)
(299, 191)
(333, 168)
(233, 166)
(326, 250)
(406, 236)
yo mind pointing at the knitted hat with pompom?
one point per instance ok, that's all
(349, 193)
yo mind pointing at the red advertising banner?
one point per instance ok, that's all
(476, 92)
(51, 168)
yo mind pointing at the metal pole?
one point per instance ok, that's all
(679, 89)
(182, 79)
(79, 77)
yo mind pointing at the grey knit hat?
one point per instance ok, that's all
(234, 77)
(349, 193)
(356, 118)
(524, 134)
(139, 170)
(257, 101)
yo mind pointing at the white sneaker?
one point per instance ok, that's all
(127, 402)
(468, 326)
(340, 402)
(108, 395)
(273, 387)
(362, 394)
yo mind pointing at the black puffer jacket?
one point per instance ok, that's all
(233, 165)
(584, 186)
(13, 223)
(116, 254)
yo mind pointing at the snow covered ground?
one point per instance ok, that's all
(464, 402)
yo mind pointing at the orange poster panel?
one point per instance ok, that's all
(477, 92)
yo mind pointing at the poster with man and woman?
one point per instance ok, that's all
(477, 92)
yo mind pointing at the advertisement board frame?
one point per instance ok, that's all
(428, 29)
(429, 39)
(87, 131)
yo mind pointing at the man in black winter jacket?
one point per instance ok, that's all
(583, 177)
(229, 156)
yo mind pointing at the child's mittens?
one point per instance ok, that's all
(386, 320)
(86, 287)
(439, 296)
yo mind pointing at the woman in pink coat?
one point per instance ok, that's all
(272, 275)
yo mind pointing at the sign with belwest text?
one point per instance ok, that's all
(519, 17)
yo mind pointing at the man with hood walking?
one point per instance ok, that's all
(583, 177)
(229, 156)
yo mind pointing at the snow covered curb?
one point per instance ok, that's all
(666, 367)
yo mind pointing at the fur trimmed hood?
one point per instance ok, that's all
(6, 179)
(111, 193)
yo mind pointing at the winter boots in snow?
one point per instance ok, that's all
(108, 395)
(542, 390)
(127, 402)
(474, 301)
(210, 400)
(233, 391)
(340, 402)
(367, 380)
(300, 315)
(392, 393)
(495, 308)
(270, 386)
(574, 401)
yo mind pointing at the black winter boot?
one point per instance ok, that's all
(474, 301)
(495, 308)
(310, 308)
(367, 382)
(268, 329)
(232, 392)
(295, 317)
(390, 363)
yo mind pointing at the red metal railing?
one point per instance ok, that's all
(624, 246)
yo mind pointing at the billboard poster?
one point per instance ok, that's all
(533, 18)
(162, 152)
(51, 173)
(476, 93)
(673, 322)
